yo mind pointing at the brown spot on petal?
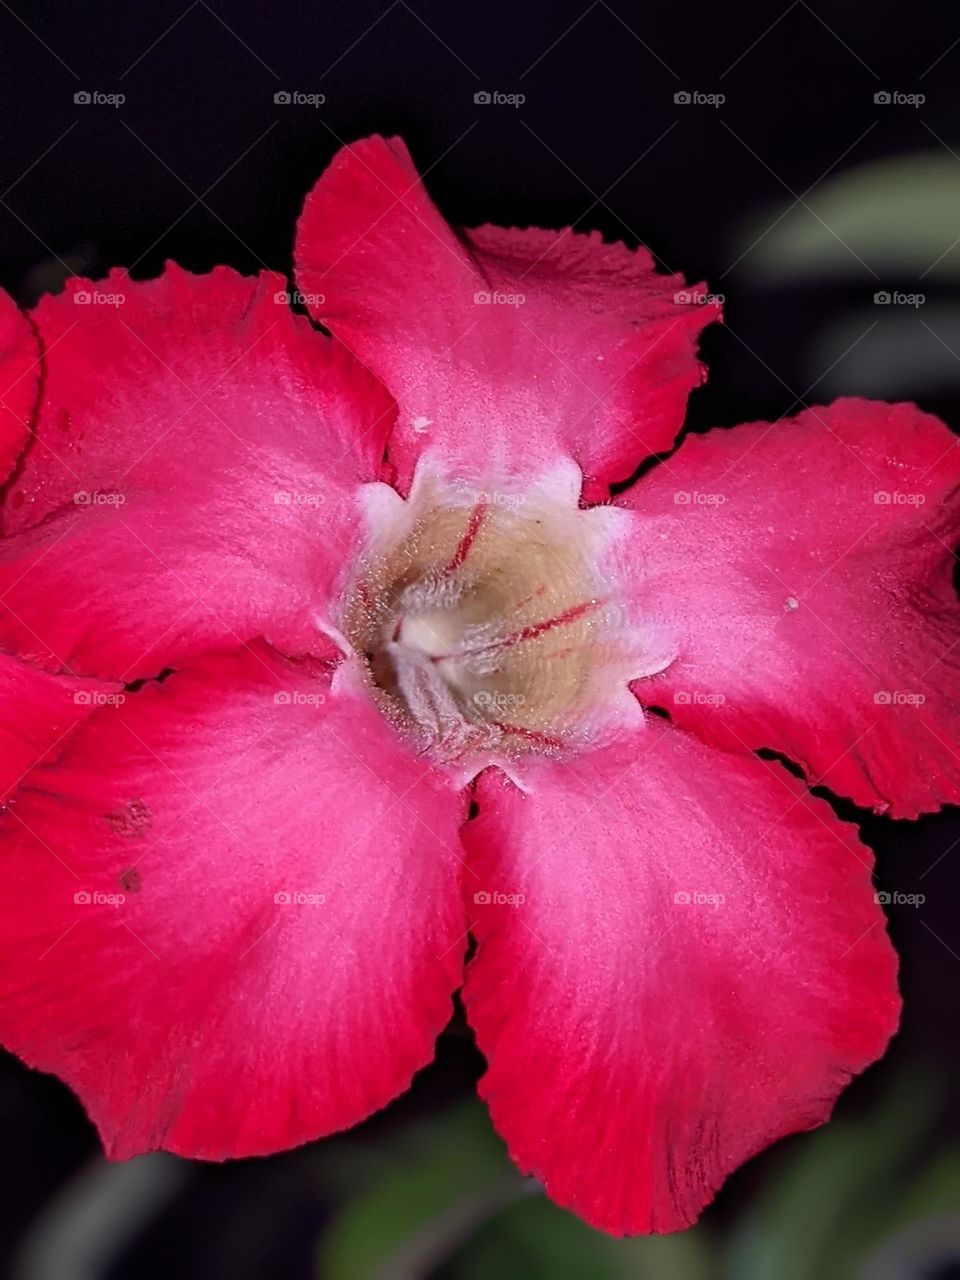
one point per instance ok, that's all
(133, 820)
(131, 880)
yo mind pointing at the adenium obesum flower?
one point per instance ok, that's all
(321, 655)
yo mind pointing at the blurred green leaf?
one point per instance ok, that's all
(452, 1175)
(920, 1232)
(900, 216)
(535, 1240)
(935, 1190)
(849, 1197)
(892, 353)
(830, 1198)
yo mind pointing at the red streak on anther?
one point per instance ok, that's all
(467, 541)
(522, 604)
(530, 735)
(559, 620)
(526, 633)
(560, 653)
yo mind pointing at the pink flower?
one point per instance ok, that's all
(275, 608)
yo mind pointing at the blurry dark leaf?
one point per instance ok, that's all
(906, 354)
(831, 1197)
(535, 1240)
(84, 1228)
(900, 216)
(923, 1227)
(453, 1175)
(934, 1190)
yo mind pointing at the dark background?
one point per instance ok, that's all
(201, 165)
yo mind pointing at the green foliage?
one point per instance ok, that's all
(900, 216)
(443, 1201)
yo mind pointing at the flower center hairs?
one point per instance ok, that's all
(490, 623)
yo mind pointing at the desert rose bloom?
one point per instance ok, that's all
(276, 607)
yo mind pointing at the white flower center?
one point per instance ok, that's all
(487, 623)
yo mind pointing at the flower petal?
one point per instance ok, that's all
(193, 476)
(506, 349)
(231, 912)
(804, 572)
(39, 712)
(684, 967)
(19, 380)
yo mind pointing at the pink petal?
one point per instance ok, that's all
(19, 379)
(804, 573)
(40, 712)
(193, 477)
(290, 931)
(685, 962)
(595, 362)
